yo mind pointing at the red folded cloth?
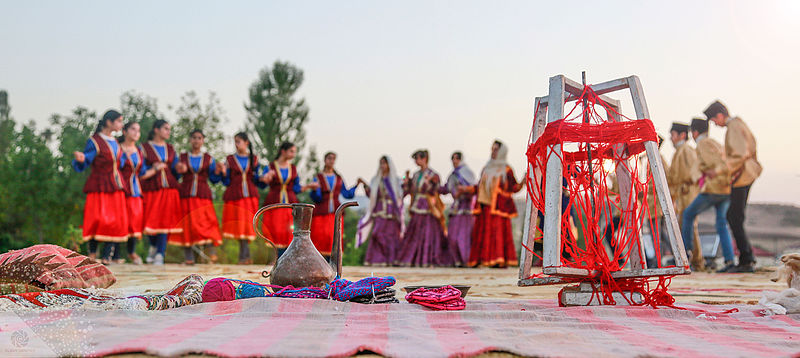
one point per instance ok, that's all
(441, 298)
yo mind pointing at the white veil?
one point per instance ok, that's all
(495, 168)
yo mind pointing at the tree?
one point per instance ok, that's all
(6, 123)
(74, 130)
(192, 114)
(274, 113)
(27, 173)
(141, 108)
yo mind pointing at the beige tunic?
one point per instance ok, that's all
(680, 177)
(711, 157)
(654, 207)
(740, 149)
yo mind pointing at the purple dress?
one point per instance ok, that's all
(424, 243)
(385, 235)
(459, 228)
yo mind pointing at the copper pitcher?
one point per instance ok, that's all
(301, 265)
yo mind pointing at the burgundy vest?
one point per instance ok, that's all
(241, 180)
(104, 176)
(329, 195)
(128, 171)
(280, 189)
(163, 178)
(195, 184)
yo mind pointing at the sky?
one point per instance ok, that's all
(392, 77)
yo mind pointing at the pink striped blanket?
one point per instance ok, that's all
(296, 327)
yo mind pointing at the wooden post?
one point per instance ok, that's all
(551, 241)
(529, 229)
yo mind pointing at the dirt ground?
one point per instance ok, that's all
(486, 283)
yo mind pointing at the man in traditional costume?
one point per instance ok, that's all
(715, 190)
(682, 187)
(742, 161)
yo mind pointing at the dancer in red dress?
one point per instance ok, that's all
(105, 216)
(326, 198)
(284, 185)
(133, 170)
(240, 176)
(492, 239)
(199, 219)
(162, 206)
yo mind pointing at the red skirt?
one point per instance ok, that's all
(322, 233)
(199, 223)
(105, 217)
(492, 241)
(135, 215)
(162, 212)
(237, 219)
(277, 226)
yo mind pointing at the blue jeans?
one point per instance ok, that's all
(700, 204)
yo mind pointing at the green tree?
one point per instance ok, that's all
(274, 113)
(6, 123)
(27, 174)
(193, 114)
(75, 129)
(141, 108)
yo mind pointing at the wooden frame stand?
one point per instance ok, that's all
(550, 109)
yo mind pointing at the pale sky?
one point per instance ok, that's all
(391, 77)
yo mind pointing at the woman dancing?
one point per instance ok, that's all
(382, 223)
(424, 242)
(105, 216)
(133, 171)
(199, 219)
(492, 241)
(284, 185)
(326, 198)
(162, 202)
(240, 172)
(459, 227)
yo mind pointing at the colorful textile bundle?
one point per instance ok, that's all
(225, 289)
(187, 292)
(344, 290)
(440, 298)
(50, 267)
(382, 296)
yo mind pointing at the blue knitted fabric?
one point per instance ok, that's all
(344, 290)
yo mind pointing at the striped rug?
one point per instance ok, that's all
(303, 328)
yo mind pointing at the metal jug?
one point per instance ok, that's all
(301, 265)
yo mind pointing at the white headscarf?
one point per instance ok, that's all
(462, 175)
(366, 222)
(495, 168)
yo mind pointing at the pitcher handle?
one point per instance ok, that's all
(336, 250)
(258, 222)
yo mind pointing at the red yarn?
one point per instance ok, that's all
(610, 143)
(218, 289)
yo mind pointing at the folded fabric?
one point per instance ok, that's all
(344, 290)
(440, 298)
(50, 267)
(226, 289)
(186, 292)
(383, 296)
